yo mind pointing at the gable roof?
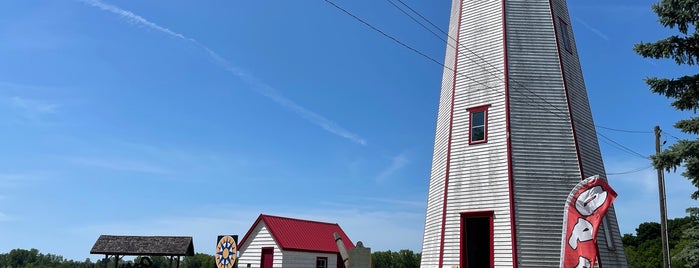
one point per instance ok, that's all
(301, 235)
(144, 245)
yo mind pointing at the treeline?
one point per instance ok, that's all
(404, 258)
(22, 258)
(644, 249)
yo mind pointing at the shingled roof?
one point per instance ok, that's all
(144, 245)
(301, 235)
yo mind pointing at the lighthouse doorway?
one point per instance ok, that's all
(477, 239)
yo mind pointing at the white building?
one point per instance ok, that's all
(514, 135)
(274, 241)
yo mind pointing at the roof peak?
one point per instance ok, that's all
(296, 219)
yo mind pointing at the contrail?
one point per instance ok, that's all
(257, 85)
(593, 29)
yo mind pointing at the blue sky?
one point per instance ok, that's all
(191, 118)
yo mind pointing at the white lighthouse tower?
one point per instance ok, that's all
(514, 135)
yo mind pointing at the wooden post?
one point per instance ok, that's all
(663, 205)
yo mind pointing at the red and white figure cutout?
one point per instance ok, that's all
(585, 208)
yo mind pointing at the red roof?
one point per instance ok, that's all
(301, 235)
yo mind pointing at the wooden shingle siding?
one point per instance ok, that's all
(144, 245)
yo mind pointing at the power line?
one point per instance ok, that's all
(673, 136)
(622, 147)
(560, 112)
(624, 130)
(582, 123)
(630, 171)
(480, 58)
(398, 41)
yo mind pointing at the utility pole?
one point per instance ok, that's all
(663, 204)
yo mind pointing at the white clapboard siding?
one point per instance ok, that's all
(300, 259)
(611, 248)
(251, 252)
(478, 174)
(553, 142)
(433, 218)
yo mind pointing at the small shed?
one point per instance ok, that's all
(120, 246)
(274, 241)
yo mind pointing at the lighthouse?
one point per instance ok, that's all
(514, 135)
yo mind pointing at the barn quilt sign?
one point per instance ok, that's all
(226, 251)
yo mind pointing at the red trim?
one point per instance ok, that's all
(484, 109)
(283, 234)
(451, 126)
(565, 89)
(510, 173)
(477, 214)
(252, 228)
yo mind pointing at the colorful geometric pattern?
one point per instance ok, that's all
(226, 252)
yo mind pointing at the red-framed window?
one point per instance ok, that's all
(565, 34)
(477, 240)
(321, 262)
(478, 124)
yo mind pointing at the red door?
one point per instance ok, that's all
(267, 257)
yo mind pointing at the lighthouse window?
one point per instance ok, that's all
(478, 124)
(565, 37)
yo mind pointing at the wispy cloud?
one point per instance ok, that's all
(119, 165)
(34, 107)
(409, 203)
(257, 85)
(592, 29)
(8, 180)
(397, 162)
(4, 217)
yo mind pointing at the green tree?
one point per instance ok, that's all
(404, 258)
(688, 256)
(199, 260)
(644, 250)
(157, 261)
(683, 48)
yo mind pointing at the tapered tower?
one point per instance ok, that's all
(514, 135)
